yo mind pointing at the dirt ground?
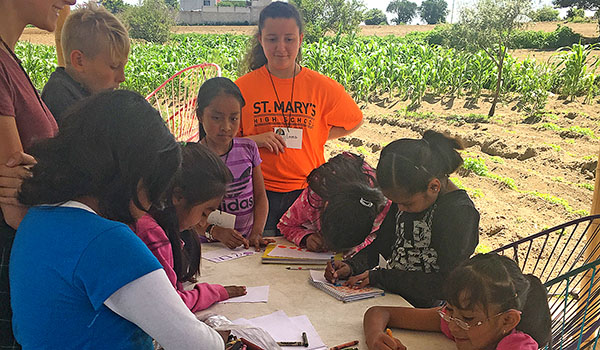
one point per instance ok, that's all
(559, 163)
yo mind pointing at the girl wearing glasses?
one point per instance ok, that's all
(491, 305)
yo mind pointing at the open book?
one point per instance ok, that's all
(342, 293)
(291, 254)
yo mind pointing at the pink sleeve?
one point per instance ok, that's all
(301, 219)
(202, 296)
(517, 340)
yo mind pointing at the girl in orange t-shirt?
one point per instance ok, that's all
(291, 111)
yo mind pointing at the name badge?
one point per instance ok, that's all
(291, 136)
(221, 219)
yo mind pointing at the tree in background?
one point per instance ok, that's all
(151, 21)
(575, 14)
(375, 17)
(488, 26)
(434, 11)
(404, 10)
(174, 4)
(322, 16)
(545, 14)
(114, 6)
(592, 5)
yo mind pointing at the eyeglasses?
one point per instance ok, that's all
(463, 324)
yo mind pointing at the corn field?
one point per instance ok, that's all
(368, 67)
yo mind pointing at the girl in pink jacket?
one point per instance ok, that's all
(196, 191)
(341, 198)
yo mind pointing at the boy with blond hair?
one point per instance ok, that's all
(95, 45)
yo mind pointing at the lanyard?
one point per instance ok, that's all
(287, 122)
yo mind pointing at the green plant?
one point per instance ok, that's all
(433, 11)
(558, 179)
(476, 165)
(151, 21)
(489, 25)
(582, 131)
(374, 17)
(544, 14)
(482, 249)
(497, 159)
(575, 71)
(550, 126)
(403, 9)
(586, 186)
(323, 16)
(557, 148)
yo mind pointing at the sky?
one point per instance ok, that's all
(382, 5)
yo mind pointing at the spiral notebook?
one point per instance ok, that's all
(343, 293)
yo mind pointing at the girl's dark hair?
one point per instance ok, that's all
(495, 279)
(349, 202)
(348, 217)
(202, 177)
(255, 58)
(106, 146)
(410, 164)
(212, 88)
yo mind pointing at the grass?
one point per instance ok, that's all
(473, 192)
(586, 186)
(574, 129)
(557, 148)
(482, 249)
(497, 160)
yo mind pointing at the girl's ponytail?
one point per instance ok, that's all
(444, 153)
(535, 316)
(410, 164)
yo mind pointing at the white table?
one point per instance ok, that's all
(335, 321)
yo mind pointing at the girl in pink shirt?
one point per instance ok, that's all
(342, 202)
(491, 305)
(196, 191)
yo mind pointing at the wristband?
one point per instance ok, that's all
(208, 232)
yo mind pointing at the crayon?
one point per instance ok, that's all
(304, 339)
(345, 345)
(389, 332)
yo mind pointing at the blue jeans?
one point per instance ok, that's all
(279, 203)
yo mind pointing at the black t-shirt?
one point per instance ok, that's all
(421, 249)
(61, 92)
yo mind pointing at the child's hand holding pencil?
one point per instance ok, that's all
(336, 270)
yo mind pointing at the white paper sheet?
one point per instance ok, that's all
(288, 251)
(314, 340)
(284, 328)
(253, 295)
(223, 253)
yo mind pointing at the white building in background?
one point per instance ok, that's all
(195, 12)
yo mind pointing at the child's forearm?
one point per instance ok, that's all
(375, 321)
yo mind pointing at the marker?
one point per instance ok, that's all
(304, 342)
(304, 268)
(304, 339)
(345, 345)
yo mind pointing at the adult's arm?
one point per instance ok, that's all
(12, 171)
(336, 131)
(152, 304)
(269, 140)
